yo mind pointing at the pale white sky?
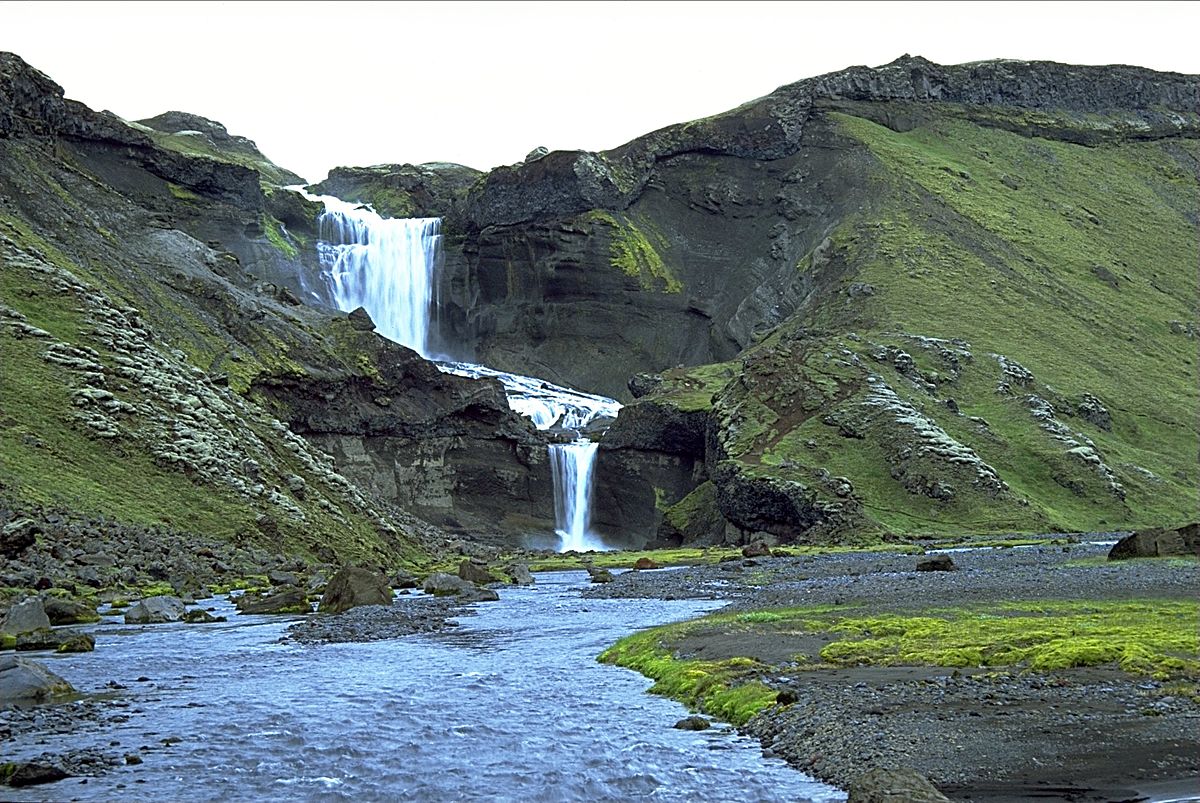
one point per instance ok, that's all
(320, 84)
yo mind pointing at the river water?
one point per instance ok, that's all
(512, 705)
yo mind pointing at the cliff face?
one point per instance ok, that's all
(159, 366)
(919, 297)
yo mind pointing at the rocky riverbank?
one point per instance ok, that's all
(979, 734)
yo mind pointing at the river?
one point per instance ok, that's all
(511, 705)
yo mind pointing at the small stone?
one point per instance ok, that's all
(692, 723)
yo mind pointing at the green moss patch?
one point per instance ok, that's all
(728, 689)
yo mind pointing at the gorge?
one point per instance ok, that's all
(786, 349)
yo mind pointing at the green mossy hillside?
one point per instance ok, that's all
(1005, 344)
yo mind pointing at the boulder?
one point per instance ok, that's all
(1159, 543)
(77, 642)
(57, 640)
(881, 785)
(199, 616)
(155, 610)
(23, 680)
(290, 600)
(481, 594)
(32, 773)
(352, 587)
(758, 549)
(441, 584)
(599, 575)
(936, 563)
(692, 723)
(402, 579)
(69, 611)
(278, 578)
(474, 572)
(646, 563)
(17, 536)
(26, 616)
(520, 574)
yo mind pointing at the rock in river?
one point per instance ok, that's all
(155, 610)
(290, 600)
(23, 680)
(26, 616)
(352, 587)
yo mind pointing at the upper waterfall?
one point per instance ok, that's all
(387, 266)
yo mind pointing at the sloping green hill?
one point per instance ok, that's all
(1003, 339)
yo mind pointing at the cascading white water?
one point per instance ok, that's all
(572, 464)
(384, 265)
(388, 267)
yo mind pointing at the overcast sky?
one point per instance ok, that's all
(320, 84)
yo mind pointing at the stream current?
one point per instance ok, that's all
(511, 705)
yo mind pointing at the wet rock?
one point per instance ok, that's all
(27, 615)
(353, 586)
(57, 640)
(1157, 543)
(32, 773)
(758, 549)
(23, 680)
(441, 584)
(936, 563)
(881, 785)
(17, 536)
(201, 616)
(278, 578)
(599, 575)
(475, 572)
(692, 723)
(360, 320)
(68, 611)
(155, 610)
(520, 574)
(291, 600)
(479, 594)
(643, 384)
(402, 579)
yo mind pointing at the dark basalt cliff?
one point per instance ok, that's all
(159, 366)
(856, 267)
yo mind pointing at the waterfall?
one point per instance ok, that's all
(384, 265)
(572, 465)
(389, 266)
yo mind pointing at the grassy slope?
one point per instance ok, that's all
(48, 459)
(1014, 272)
(1014, 245)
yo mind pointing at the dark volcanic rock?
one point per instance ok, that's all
(474, 572)
(23, 680)
(693, 723)
(289, 600)
(882, 785)
(33, 773)
(68, 612)
(353, 586)
(1158, 543)
(26, 616)
(57, 640)
(17, 536)
(936, 563)
(155, 610)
